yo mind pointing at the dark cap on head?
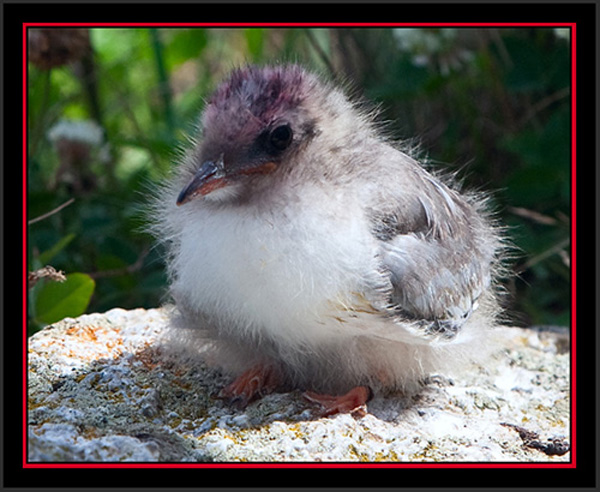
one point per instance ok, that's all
(251, 123)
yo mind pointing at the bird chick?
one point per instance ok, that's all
(316, 254)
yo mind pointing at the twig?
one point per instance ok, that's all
(553, 446)
(557, 248)
(544, 103)
(533, 215)
(52, 212)
(564, 256)
(46, 272)
(115, 272)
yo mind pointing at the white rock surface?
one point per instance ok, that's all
(103, 387)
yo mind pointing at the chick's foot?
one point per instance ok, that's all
(259, 380)
(354, 402)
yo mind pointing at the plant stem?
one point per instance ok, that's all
(164, 87)
(52, 212)
(38, 130)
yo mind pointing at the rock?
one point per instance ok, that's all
(106, 387)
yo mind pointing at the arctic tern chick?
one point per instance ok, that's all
(314, 253)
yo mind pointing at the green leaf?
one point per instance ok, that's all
(47, 255)
(408, 81)
(255, 39)
(185, 44)
(58, 300)
(529, 63)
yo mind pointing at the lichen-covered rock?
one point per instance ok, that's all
(105, 387)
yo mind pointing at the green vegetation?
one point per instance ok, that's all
(109, 110)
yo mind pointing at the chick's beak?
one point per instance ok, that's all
(212, 175)
(209, 177)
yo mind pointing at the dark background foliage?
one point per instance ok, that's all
(109, 109)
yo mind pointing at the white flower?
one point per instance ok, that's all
(422, 41)
(562, 33)
(85, 131)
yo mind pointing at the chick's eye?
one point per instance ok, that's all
(281, 137)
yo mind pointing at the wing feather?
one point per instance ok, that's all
(438, 259)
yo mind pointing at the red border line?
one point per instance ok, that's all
(571, 464)
(573, 241)
(25, 286)
(512, 465)
(298, 24)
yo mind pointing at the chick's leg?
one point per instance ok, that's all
(353, 402)
(257, 381)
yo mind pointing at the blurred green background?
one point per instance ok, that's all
(109, 109)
